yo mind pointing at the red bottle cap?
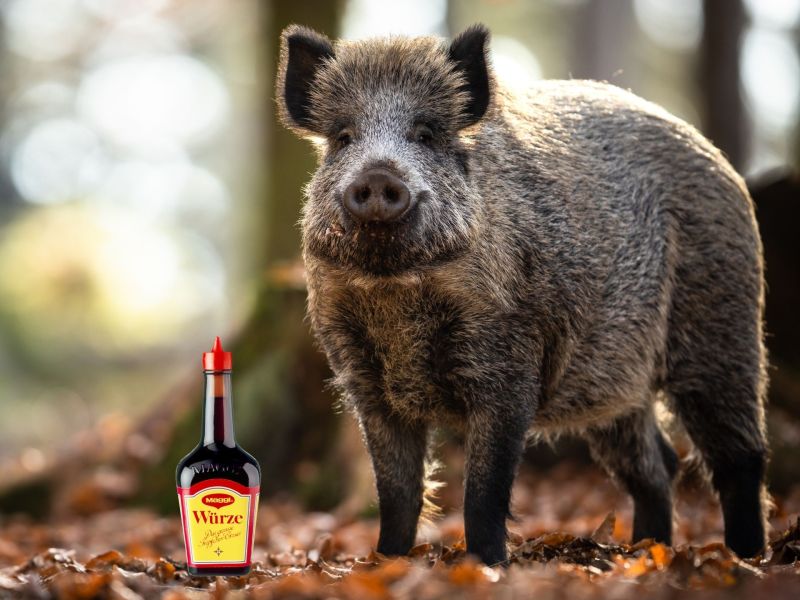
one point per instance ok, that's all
(217, 359)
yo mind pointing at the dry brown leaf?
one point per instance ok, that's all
(316, 556)
(295, 585)
(421, 550)
(661, 555)
(164, 570)
(366, 585)
(467, 573)
(392, 570)
(636, 567)
(105, 560)
(605, 530)
(80, 586)
(325, 546)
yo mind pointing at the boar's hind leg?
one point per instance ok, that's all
(635, 452)
(726, 429)
(494, 446)
(716, 381)
(397, 448)
(716, 364)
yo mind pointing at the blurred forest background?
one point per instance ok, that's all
(149, 200)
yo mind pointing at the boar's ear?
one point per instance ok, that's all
(303, 51)
(468, 50)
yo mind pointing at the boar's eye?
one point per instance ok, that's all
(344, 138)
(423, 134)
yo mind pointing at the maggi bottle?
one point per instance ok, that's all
(218, 483)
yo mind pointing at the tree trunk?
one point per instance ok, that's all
(291, 159)
(605, 33)
(283, 406)
(723, 114)
(283, 409)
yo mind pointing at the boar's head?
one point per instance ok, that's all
(392, 121)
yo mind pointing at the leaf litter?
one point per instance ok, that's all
(130, 554)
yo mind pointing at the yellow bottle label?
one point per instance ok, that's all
(218, 518)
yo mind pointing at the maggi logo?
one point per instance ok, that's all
(217, 500)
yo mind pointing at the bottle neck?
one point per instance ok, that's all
(218, 410)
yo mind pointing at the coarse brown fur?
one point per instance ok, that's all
(572, 253)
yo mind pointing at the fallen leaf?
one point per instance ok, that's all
(467, 573)
(661, 555)
(605, 530)
(637, 567)
(421, 550)
(105, 560)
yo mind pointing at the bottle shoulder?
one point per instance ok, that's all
(218, 462)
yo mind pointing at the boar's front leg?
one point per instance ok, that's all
(397, 448)
(495, 440)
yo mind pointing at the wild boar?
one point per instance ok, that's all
(520, 263)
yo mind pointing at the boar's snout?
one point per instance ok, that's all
(377, 196)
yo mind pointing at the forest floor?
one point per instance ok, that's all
(566, 542)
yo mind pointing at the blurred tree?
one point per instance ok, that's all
(604, 35)
(283, 409)
(724, 118)
(290, 158)
(795, 164)
(7, 193)
(777, 198)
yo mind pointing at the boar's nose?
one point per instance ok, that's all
(378, 196)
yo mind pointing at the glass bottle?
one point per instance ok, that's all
(218, 483)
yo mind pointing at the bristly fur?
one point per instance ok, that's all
(573, 254)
